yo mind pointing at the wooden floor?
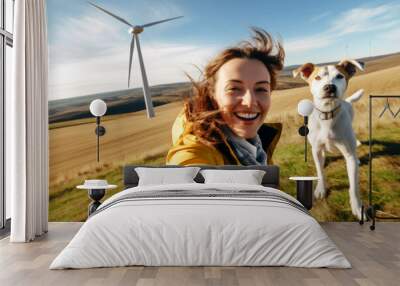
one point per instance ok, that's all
(375, 257)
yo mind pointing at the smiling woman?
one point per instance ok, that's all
(223, 123)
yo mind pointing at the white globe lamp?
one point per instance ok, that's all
(305, 108)
(98, 108)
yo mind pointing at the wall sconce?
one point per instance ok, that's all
(98, 108)
(305, 108)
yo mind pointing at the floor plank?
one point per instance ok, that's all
(374, 255)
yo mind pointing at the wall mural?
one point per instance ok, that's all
(199, 88)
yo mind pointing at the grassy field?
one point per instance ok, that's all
(386, 174)
(133, 139)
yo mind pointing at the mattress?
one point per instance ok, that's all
(201, 225)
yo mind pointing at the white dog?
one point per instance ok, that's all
(330, 124)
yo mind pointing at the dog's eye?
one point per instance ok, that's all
(339, 76)
(318, 77)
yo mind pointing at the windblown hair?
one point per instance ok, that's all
(202, 110)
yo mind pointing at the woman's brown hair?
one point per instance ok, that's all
(202, 110)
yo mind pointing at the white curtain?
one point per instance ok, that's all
(27, 123)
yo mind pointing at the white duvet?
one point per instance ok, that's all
(200, 231)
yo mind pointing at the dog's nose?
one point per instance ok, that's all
(330, 88)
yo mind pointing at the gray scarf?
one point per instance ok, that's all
(249, 152)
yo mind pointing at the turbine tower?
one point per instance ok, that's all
(135, 30)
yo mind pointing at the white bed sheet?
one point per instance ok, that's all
(200, 231)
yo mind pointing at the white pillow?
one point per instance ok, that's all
(165, 176)
(248, 177)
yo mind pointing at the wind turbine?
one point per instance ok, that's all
(135, 30)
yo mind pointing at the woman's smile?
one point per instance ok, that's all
(247, 116)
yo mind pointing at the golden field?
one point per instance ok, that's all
(132, 138)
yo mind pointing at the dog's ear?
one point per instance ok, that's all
(350, 66)
(305, 71)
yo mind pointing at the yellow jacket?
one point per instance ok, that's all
(188, 150)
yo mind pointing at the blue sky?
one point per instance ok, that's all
(89, 49)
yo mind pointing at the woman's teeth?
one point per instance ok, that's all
(246, 116)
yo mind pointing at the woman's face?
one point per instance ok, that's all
(243, 94)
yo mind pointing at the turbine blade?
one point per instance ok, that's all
(111, 14)
(158, 22)
(130, 58)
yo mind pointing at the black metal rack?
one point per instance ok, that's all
(370, 210)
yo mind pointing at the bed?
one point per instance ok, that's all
(201, 224)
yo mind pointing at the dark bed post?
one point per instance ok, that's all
(304, 193)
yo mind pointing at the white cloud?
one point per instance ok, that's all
(320, 16)
(393, 35)
(356, 20)
(164, 63)
(159, 9)
(87, 36)
(366, 19)
(388, 41)
(299, 45)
